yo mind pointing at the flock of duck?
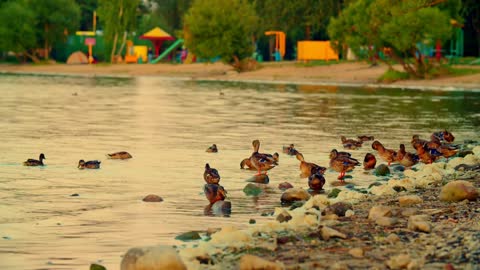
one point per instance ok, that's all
(82, 164)
(427, 151)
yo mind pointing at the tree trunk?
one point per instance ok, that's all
(112, 55)
(46, 42)
(236, 63)
(32, 56)
(124, 40)
(307, 32)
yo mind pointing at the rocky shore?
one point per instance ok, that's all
(428, 219)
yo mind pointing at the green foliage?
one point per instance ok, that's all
(398, 25)
(221, 28)
(18, 35)
(170, 13)
(87, 7)
(54, 17)
(392, 75)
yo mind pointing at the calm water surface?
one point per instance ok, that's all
(167, 125)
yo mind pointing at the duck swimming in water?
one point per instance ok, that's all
(369, 161)
(92, 164)
(350, 143)
(307, 167)
(262, 162)
(316, 180)
(34, 162)
(388, 155)
(214, 193)
(212, 149)
(119, 155)
(334, 153)
(211, 175)
(365, 138)
(342, 164)
(247, 164)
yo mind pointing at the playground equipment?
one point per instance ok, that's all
(315, 50)
(167, 51)
(135, 54)
(456, 46)
(157, 36)
(90, 40)
(77, 57)
(279, 43)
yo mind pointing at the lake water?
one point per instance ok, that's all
(167, 125)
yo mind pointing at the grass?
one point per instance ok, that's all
(314, 63)
(392, 75)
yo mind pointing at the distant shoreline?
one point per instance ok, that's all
(355, 74)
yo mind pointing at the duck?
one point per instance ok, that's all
(34, 162)
(369, 161)
(335, 153)
(342, 164)
(405, 158)
(212, 149)
(247, 164)
(350, 143)
(211, 175)
(388, 155)
(214, 193)
(307, 167)
(119, 155)
(447, 151)
(316, 180)
(416, 139)
(92, 164)
(290, 150)
(262, 162)
(365, 138)
(444, 135)
(423, 153)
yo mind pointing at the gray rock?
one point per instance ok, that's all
(338, 209)
(222, 208)
(188, 236)
(382, 170)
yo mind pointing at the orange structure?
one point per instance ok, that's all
(315, 50)
(279, 41)
(157, 36)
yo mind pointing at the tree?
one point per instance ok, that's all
(87, 7)
(397, 25)
(55, 18)
(471, 9)
(118, 17)
(18, 36)
(221, 28)
(171, 13)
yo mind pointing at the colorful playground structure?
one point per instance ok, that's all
(279, 44)
(315, 50)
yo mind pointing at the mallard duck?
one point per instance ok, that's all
(119, 155)
(444, 135)
(211, 175)
(290, 150)
(260, 161)
(316, 179)
(34, 162)
(342, 164)
(405, 158)
(92, 164)
(369, 161)
(447, 151)
(388, 155)
(212, 149)
(350, 143)
(307, 167)
(416, 139)
(334, 153)
(247, 164)
(214, 193)
(423, 153)
(365, 138)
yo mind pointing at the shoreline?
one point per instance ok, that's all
(352, 75)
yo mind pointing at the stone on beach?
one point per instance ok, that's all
(252, 190)
(382, 170)
(459, 190)
(338, 208)
(285, 186)
(409, 200)
(328, 233)
(152, 198)
(356, 252)
(252, 262)
(222, 208)
(295, 194)
(419, 223)
(152, 258)
(379, 211)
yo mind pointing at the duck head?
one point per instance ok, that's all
(300, 156)
(256, 145)
(81, 163)
(376, 145)
(333, 153)
(42, 157)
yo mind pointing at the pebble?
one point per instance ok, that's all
(419, 223)
(399, 261)
(285, 185)
(328, 233)
(356, 252)
(152, 198)
(157, 257)
(409, 200)
(386, 221)
(295, 194)
(349, 213)
(338, 208)
(379, 211)
(392, 238)
(251, 262)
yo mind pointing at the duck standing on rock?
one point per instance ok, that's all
(405, 158)
(92, 164)
(342, 164)
(369, 162)
(213, 191)
(423, 153)
(262, 162)
(212, 149)
(350, 143)
(444, 135)
(119, 155)
(34, 162)
(388, 155)
(307, 167)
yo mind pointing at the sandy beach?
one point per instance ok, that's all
(346, 74)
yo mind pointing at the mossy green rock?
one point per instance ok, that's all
(382, 170)
(334, 193)
(252, 190)
(188, 236)
(95, 266)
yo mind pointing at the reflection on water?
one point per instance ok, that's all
(167, 125)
